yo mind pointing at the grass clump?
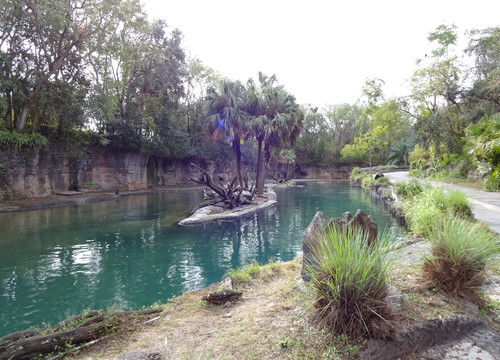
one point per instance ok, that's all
(460, 250)
(349, 278)
(412, 188)
(431, 204)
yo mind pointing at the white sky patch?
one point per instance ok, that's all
(322, 51)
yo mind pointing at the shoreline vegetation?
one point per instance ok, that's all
(274, 317)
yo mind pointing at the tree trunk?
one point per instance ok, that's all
(237, 158)
(24, 117)
(260, 168)
(264, 163)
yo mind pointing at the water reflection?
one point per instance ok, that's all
(129, 252)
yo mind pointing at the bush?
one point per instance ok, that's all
(418, 157)
(492, 182)
(460, 250)
(432, 204)
(366, 182)
(349, 280)
(410, 189)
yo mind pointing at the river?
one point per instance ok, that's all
(129, 252)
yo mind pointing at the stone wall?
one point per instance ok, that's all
(39, 172)
(33, 172)
(323, 173)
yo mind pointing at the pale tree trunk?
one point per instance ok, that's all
(237, 158)
(22, 120)
(260, 168)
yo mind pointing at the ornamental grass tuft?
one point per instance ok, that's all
(460, 251)
(349, 279)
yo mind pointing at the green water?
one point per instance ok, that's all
(129, 252)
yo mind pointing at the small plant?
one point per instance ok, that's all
(460, 250)
(349, 280)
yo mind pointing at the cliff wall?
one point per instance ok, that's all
(39, 172)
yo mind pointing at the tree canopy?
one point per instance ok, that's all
(100, 73)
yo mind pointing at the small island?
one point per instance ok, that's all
(212, 213)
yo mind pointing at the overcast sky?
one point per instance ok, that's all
(321, 51)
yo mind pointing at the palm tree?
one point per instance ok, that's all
(274, 118)
(399, 152)
(227, 116)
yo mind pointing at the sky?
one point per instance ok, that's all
(321, 51)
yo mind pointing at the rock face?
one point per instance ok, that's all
(39, 172)
(320, 223)
(323, 173)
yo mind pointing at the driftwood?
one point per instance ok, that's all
(284, 175)
(222, 297)
(227, 192)
(86, 327)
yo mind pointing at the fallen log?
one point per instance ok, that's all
(38, 345)
(87, 327)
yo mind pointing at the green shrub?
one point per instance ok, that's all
(366, 182)
(349, 281)
(421, 216)
(430, 205)
(460, 250)
(492, 182)
(383, 180)
(456, 203)
(16, 140)
(418, 157)
(410, 189)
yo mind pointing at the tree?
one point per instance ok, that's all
(483, 98)
(436, 92)
(313, 144)
(226, 117)
(368, 145)
(43, 44)
(274, 117)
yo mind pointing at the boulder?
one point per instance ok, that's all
(320, 223)
(378, 175)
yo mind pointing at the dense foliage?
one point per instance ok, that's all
(102, 68)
